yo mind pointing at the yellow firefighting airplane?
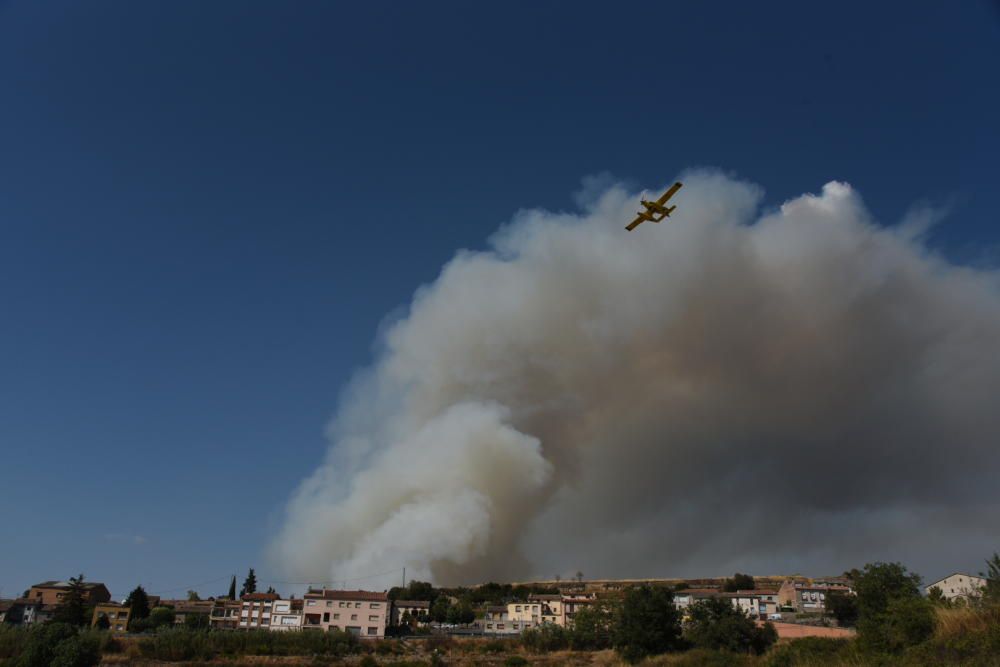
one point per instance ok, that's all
(655, 208)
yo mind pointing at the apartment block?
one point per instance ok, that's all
(53, 592)
(362, 613)
(287, 615)
(116, 614)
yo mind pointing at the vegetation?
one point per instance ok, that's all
(647, 623)
(249, 584)
(843, 607)
(49, 645)
(72, 611)
(991, 592)
(739, 582)
(232, 589)
(716, 624)
(138, 604)
(892, 615)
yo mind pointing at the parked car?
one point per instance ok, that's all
(774, 617)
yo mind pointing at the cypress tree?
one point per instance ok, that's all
(232, 589)
(250, 584)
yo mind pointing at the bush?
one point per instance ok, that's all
(515, 661)
(545, 638)
(82, 650)
(811, 651)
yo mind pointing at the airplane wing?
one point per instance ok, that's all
(635, 223)
(668, 194)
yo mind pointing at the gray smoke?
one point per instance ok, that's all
(795, 390)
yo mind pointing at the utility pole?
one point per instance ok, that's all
(404, 577)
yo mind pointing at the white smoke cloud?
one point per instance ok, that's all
(802, 389)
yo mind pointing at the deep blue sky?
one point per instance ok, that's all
(206, 209)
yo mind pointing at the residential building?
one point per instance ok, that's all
(52, 592)
(755, 603)
(410, 610)
(26, 611)
(117, 615)
(225, 614)
(807, 598)
(687, 597)
(183, 609)
(495, 621)
(959, 586)
(255, 610)
(574, 603)
(362, 613)
(286, 615)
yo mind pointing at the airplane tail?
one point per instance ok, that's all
(671, 210)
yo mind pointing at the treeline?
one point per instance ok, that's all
(645, 622)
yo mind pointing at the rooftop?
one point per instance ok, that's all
(327, 594)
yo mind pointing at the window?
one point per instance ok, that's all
(489, 626)
(373, 631)
(310, 603)
(354, 617)
(373, 618)
(329, 603)
(341, 605)
(326, 617)
(336, 617)
(357, 605)
(374, 605)
(499, 626)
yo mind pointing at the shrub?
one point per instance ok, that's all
(545, 638)
(368, 661)
(515, 661)
(81, 650)
(810, 651)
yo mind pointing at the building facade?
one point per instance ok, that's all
(410, 612)
(286, 615)
(52, 592)
(808, 598)
(255, 610)
(362, 613)
(959, 586)
(116, 614)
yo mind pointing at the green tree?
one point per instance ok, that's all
(161, 617)
(739, 582)
(193, 596)
(936, 597)
(270, 591)
(882, 590)
(991, 591)
(718, 625)
(138, 604)
(72, 610)
(102, 622)
(908, 621)
(592, 627)
(196, 621)
(249, 584)
(232, 589)
(647, 623)
(843, 607)
(440, 608)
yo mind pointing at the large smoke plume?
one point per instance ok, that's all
(800, 389)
